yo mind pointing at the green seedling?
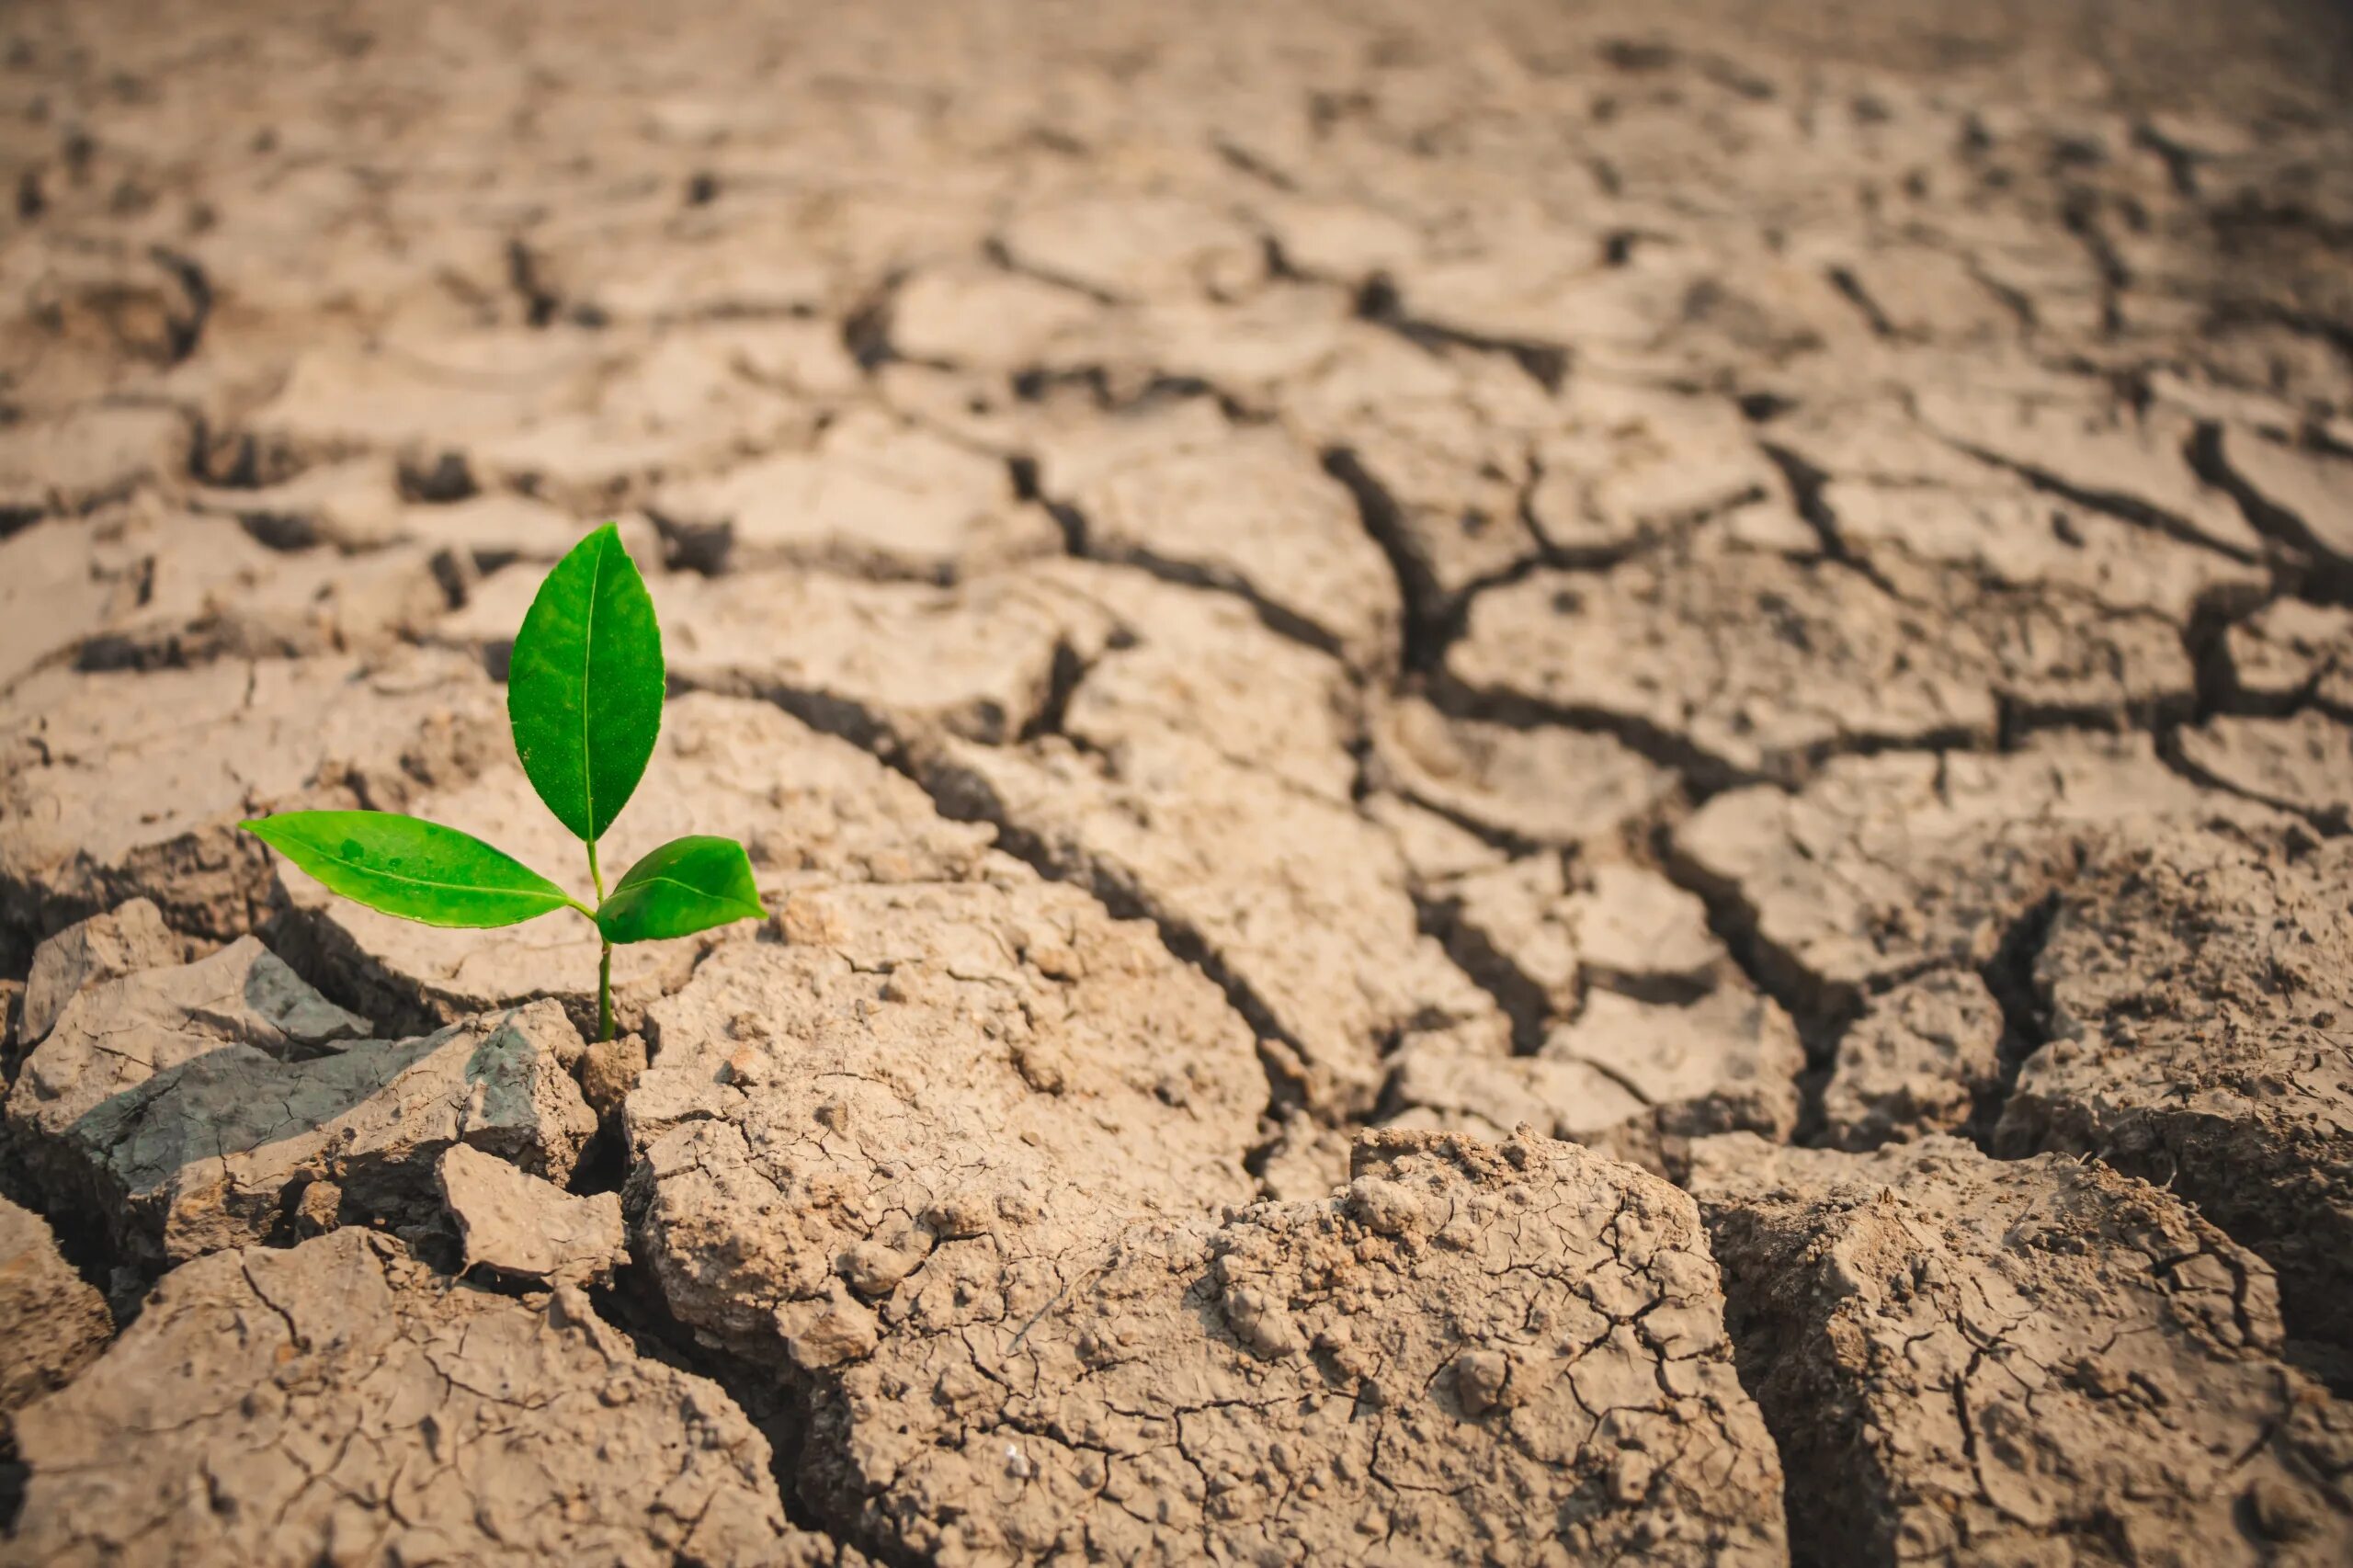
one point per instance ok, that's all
(584, 697)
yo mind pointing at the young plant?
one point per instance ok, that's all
(584, 698)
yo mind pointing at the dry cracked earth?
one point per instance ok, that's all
(1538, 787)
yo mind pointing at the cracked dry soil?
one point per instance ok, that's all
(1538, 785)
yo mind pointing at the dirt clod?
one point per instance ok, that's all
(252, 1373)
(1487, 1349)
(55, 1323)
(2198, 987)
(1994, 1357)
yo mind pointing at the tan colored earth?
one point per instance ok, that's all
(1536, 784)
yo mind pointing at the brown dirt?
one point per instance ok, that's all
(1537, 784)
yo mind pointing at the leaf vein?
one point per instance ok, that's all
(588, 661)
(554, 901)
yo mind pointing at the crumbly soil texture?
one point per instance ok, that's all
(1536, 785)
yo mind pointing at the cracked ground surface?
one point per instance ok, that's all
(1536, 785)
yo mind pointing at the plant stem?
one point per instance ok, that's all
(604, 956)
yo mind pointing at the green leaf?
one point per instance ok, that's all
(411, 868)
(688, 885)
(584, 690)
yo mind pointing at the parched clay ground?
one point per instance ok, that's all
(1540, 785)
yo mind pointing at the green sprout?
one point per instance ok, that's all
(584, 698)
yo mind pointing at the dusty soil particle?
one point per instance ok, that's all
(1969, 1361)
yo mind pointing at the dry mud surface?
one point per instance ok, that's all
(1537, 785)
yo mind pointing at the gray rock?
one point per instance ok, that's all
(116, 1032)
(190, 1109)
